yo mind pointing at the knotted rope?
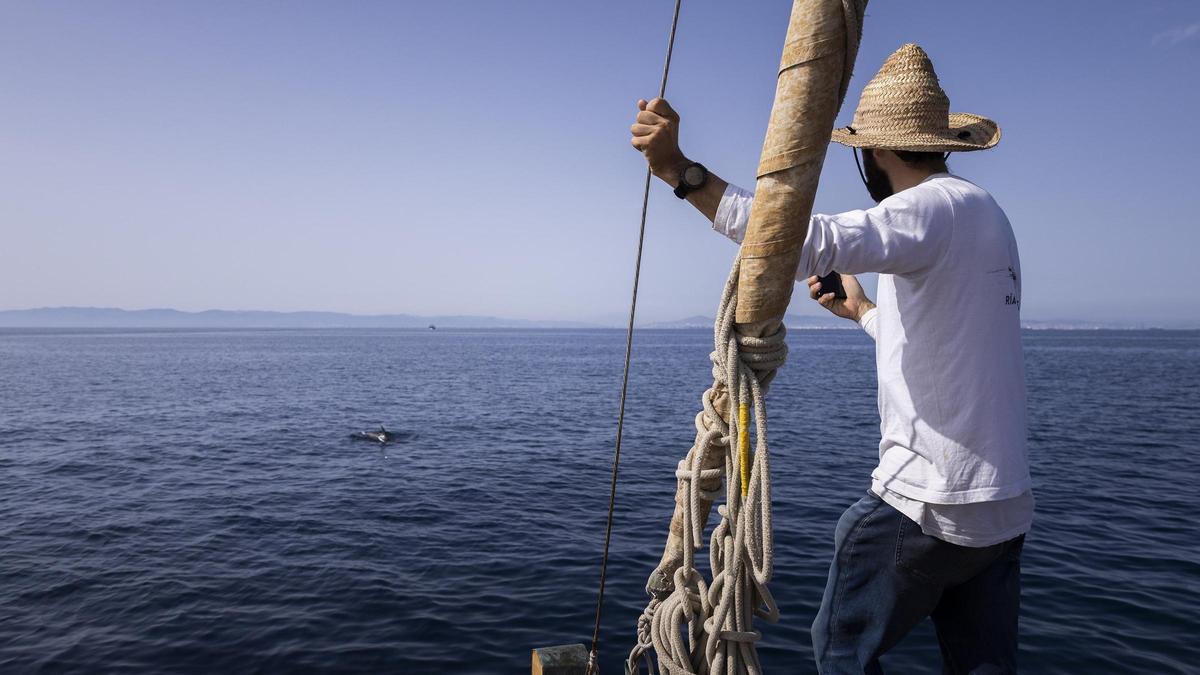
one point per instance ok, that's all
(717, 618)
(697, 627)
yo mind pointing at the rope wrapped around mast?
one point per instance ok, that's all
(693, 626)
(719, 616)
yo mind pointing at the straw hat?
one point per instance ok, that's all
(904, 108)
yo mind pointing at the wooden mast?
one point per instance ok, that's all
(818, 57)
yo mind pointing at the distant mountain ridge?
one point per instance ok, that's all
(108, 317)
(807, 321)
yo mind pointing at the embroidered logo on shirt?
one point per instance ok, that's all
(1012, 298)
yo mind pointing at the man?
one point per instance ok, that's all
(941, 529)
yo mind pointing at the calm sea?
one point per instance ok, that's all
(191, 501)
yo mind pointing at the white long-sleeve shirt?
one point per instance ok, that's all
(952, 454)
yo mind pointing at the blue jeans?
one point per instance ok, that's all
(887, 576)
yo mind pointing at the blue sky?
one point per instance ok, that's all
(463, 157)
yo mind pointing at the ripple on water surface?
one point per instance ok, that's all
(182, 501)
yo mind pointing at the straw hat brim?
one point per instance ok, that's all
(966, 132)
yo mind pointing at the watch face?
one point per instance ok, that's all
(693, 175)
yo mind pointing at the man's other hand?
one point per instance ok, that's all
(656, 134)
(853, 307)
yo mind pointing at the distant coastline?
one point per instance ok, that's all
(107, 317)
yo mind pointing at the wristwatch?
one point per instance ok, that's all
(691, 178)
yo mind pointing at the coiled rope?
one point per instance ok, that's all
(696, 627)
(693, 626)
(717, 618)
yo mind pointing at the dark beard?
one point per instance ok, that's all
(877, 181)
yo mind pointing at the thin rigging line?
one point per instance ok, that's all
(637, 271)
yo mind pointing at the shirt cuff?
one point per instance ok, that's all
(733, 213)
(868, 321)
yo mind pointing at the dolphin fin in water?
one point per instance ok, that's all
(383, 436)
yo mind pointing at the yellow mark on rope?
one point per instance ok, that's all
(744, 445)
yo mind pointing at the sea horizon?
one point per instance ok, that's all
(90, 317)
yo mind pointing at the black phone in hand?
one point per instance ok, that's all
(832, 283)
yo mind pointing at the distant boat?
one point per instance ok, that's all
(432, 327)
